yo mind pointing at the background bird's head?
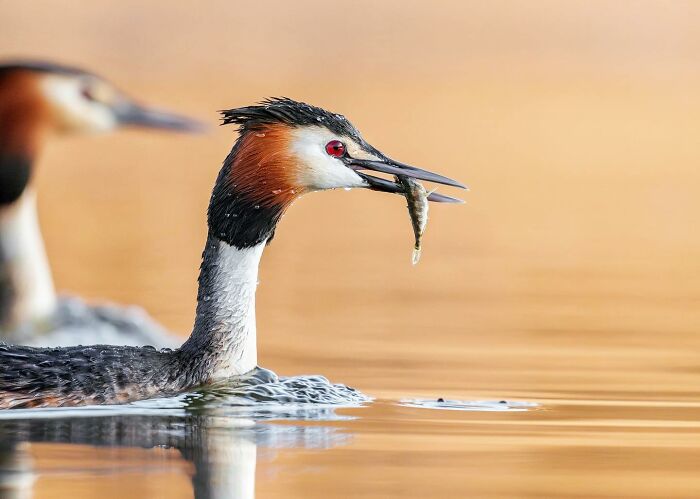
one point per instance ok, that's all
(70, 100)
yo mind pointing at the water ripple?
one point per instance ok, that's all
(469, 405)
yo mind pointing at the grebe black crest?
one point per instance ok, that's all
(284, 150)
(38, 100)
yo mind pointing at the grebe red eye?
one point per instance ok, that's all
(335, 148)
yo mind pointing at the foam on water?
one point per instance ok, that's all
(469, 405)
(312, 389)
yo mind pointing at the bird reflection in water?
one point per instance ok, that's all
(221, 441)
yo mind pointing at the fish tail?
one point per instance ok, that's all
(415, 257)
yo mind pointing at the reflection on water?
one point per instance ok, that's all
(221, 433)
(166, 448)
(221, 447)
(16, 473)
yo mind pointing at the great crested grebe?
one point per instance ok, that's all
(284, 149)
(37, 100)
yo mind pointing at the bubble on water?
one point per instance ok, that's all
(257, 206)
(276, 191)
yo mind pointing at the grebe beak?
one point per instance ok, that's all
(129, 113)
(387, 165)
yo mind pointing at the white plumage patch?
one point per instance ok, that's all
(72, 109)
(23, 248)
(233, 296)
(319, 170)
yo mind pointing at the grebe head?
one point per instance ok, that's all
(69, 100)
(288, 148)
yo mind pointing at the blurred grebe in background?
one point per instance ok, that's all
(37, 101)
(284, 149)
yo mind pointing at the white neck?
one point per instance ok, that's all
(224, 335)
(24, 258)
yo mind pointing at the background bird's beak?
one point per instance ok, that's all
(396, 168)
(132, 114)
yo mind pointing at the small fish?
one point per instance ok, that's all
(417, 203)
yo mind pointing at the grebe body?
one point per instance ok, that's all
(284, 150)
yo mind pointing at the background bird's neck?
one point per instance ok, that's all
(26, 286)
(24, 121)
(223, 341)
(20, 136)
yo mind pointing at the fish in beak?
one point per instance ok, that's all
(391, 167)
(407, 184)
